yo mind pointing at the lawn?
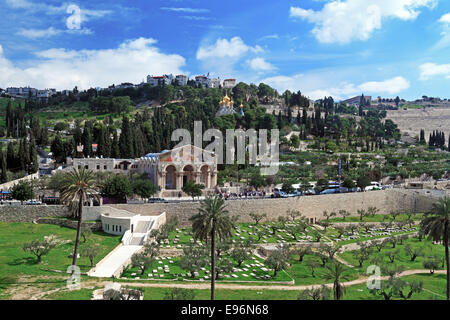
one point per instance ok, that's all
(378, 218)
(15, 262)
(243, 273)
(402, 259)
(245, 231)
(433, 289)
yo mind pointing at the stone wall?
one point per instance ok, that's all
(95, 226)
(397, 200)
(24, 213)
(311, 206)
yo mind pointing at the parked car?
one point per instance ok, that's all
(33, 203)
(330, 191)
(154, 200)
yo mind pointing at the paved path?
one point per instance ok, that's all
(114, 261)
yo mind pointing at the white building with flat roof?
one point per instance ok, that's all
(229, 83)
(155, 81)
(181, 79)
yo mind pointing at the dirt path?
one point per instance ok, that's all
(261, 287)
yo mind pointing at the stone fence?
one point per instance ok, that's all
(396, 200)
(310, 206)
(95, 226)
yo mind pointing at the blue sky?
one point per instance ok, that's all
(338, 48)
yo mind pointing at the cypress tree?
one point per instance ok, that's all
(34, 165)
(115, 150)
(3, 175)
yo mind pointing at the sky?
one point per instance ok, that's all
(338, 48)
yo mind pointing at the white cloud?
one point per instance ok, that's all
(445, 33)
(186, 10)
(50, 32)
(391, 86)
(348, 20)
(233, 48)
(429, 70)
(314, 87)
(76, 16)
(62, 69)
(259, 64)
(445, 18)
(39, 33)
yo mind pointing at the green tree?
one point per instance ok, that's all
(117, 187)
(22, 191)
(41, 248)
(321, 293)
(278, 260)
(194, 257)
(179, 294)
(336, 273)
(363, 181)
(211, 222)
(79, 187)
(90, 250)
(3, 175)
(142, 261)
(193, 189)
(436, 226)
(144, 188)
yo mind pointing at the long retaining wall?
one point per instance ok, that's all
(311, 206)
(397, 200)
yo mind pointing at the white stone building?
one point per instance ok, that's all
(229, 83)
(160, 80)
(181, 79)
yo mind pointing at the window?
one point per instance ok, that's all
(120, 228)
(98, 167)
(86, 166)
(79, 166)
(104, 167)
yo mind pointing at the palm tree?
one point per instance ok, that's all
(436, 225)
(78, 186)
(335, 273)
(211, 221)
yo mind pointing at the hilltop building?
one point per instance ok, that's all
(229, 83)
(356, 100)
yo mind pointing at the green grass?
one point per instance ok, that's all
(176, 271)
(402, 258)
(244, 231)
(302, 274)
(433, 289)
(82, 294)
(433, 285)
(14, 261)
(377, 218)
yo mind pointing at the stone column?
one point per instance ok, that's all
(162, 182)
(197, 176)
(208, 179)
(179, 182)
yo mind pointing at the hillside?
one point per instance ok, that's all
(429, 119)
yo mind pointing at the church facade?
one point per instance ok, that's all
(170, 170)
